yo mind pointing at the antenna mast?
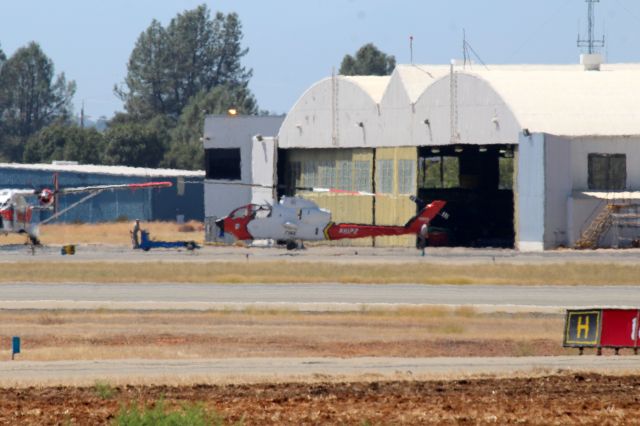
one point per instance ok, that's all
(591, 43)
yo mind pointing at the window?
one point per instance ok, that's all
(326, 174)
(363, 175)
(439, 172)
(385, 176)
(295, 175)
(607, 171)
(309, 174)
(505, 165)
(346, 175)
(406, 176)
(223, 163)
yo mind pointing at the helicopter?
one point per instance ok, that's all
(295, 219)
(16, 213)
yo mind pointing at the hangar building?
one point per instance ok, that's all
(184, 198)
(527, 156)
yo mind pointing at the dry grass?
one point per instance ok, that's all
(433, 331)
(308, 272)
(115, 233)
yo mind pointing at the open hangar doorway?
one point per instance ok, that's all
(477, 183)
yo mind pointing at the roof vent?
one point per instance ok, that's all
(591, 61)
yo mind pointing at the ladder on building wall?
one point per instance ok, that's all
(596, 229)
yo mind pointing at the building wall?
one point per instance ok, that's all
(256, 162)
(480, 116)
(531, 193)
(582, 147)
(344, 208)
(558, 187)
(147, 204)
(582, 209)
(395, 208)
(324, 111)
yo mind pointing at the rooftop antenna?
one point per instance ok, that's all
(467, 51)
(591, 43)
(411, 48)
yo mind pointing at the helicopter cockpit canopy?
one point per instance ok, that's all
(251, 210)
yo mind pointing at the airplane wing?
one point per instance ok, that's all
(117, 186)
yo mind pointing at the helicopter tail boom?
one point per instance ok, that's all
(338, 231)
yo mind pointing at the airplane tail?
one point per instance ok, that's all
(426, 215)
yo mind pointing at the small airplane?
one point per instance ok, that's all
(297, 219)
(16, 213)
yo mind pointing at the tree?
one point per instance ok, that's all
(133, 144)
(194, 54)
(369, 60)
(30, 97)
(3, 57)
(61, 141)
(186, 150)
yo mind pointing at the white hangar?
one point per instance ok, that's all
(527, 156)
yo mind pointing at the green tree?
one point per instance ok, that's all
(31, 97)
(3, 57)
(368, 60)
(168, 66)
(61, 141)
(133, 144)
(185, 151)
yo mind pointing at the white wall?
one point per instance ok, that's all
(309, 124)
(582, 147)
(558, 190)
(483, 117)
(531, 193)
(257, 160)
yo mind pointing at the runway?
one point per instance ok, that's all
(239, 370)
(311, 297)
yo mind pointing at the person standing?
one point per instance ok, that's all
(423, 237)
(135, 234)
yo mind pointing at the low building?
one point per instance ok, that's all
(183, 201)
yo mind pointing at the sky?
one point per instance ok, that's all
(294, 43)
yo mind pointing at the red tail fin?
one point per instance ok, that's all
(425, 215)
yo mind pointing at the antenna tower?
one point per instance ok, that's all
(591, 43)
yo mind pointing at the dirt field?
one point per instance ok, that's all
(417, 332)
(563, 399)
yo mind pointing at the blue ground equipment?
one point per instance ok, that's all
(147, 244)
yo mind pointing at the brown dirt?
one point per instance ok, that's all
(563, 399)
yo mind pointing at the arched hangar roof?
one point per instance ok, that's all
(491, 105)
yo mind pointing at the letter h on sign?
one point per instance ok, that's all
(582, 328)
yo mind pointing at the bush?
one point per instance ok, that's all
(188, 415)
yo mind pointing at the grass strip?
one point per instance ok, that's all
(308, 272)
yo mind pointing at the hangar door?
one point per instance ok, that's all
(477, 183)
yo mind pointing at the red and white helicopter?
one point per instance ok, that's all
(16, 213)
(297, 219)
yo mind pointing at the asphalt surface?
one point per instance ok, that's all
(312, 369)
(452, 255)
(310, 296)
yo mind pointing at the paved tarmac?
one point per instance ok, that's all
(451, 255)
(311, 297)
(310, 369)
